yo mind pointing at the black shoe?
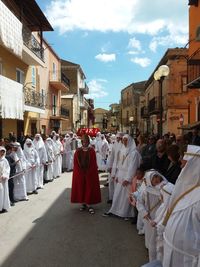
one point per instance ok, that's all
(109, 201)
(3, 211)
(35, 192)
(12, 204)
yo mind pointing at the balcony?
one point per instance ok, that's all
(33, 52)
(85, 89)
(34, 101)
(194, 70)
(11, 99)
(153, 107)
(59, 81)
(144, 112)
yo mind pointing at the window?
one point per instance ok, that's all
(54, 72)
(19, 76)
(54, 102)
(33, 73)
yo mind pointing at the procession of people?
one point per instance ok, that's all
(153, 182)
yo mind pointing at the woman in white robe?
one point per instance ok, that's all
(98, 150)
(58, 156)
(182, 231)
(148, 203)
(129, 161)
(19, 179)
(67, 154)
(112, 164)
(50, 157)
(33, 162)
(4, 176)
(40, 147)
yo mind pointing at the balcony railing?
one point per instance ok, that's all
(85, 89)
(58, 76)
(153, 107)
(33, 98)
(31, 42)
(144, 112)
(194, 70)
(64, 111)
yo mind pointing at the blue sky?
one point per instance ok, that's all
(116, 42)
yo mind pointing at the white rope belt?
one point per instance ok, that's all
(195, 262)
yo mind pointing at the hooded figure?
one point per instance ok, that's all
(50, 157)
(58, 148)
(148, 203)
(19, 180)
(4, 176)
(182, 231)
(40, 148)
(33, 162)
(129, 161)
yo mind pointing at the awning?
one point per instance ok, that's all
(11, 99)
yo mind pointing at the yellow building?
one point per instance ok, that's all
(130, 96)
(20, 97)
(101, 118)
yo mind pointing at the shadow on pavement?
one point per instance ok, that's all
(66, 237)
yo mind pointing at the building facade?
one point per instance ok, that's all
(130, 97)
(19, 55)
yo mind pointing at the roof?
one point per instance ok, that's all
(31, 13)
(135, 86)
(70, 65)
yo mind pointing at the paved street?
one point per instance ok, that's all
(47, 231)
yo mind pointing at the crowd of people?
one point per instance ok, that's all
(153, 182)
(28, 163)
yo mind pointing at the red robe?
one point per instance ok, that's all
(85, 182)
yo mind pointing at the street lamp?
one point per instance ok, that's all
(159, 76)
(131, 119)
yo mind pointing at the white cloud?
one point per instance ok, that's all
(96, 88)
(135, 44)
(132, 16)
(142, 61)
(169, 41)
(106, 57)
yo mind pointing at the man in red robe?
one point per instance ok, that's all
(85, 182)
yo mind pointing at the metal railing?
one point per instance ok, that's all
(58, 76)
(64, 111)
(31, 42)
(194, 69)
(33, 98)
(153, 106)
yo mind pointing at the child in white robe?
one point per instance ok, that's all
(4, 176)
(147, 204)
